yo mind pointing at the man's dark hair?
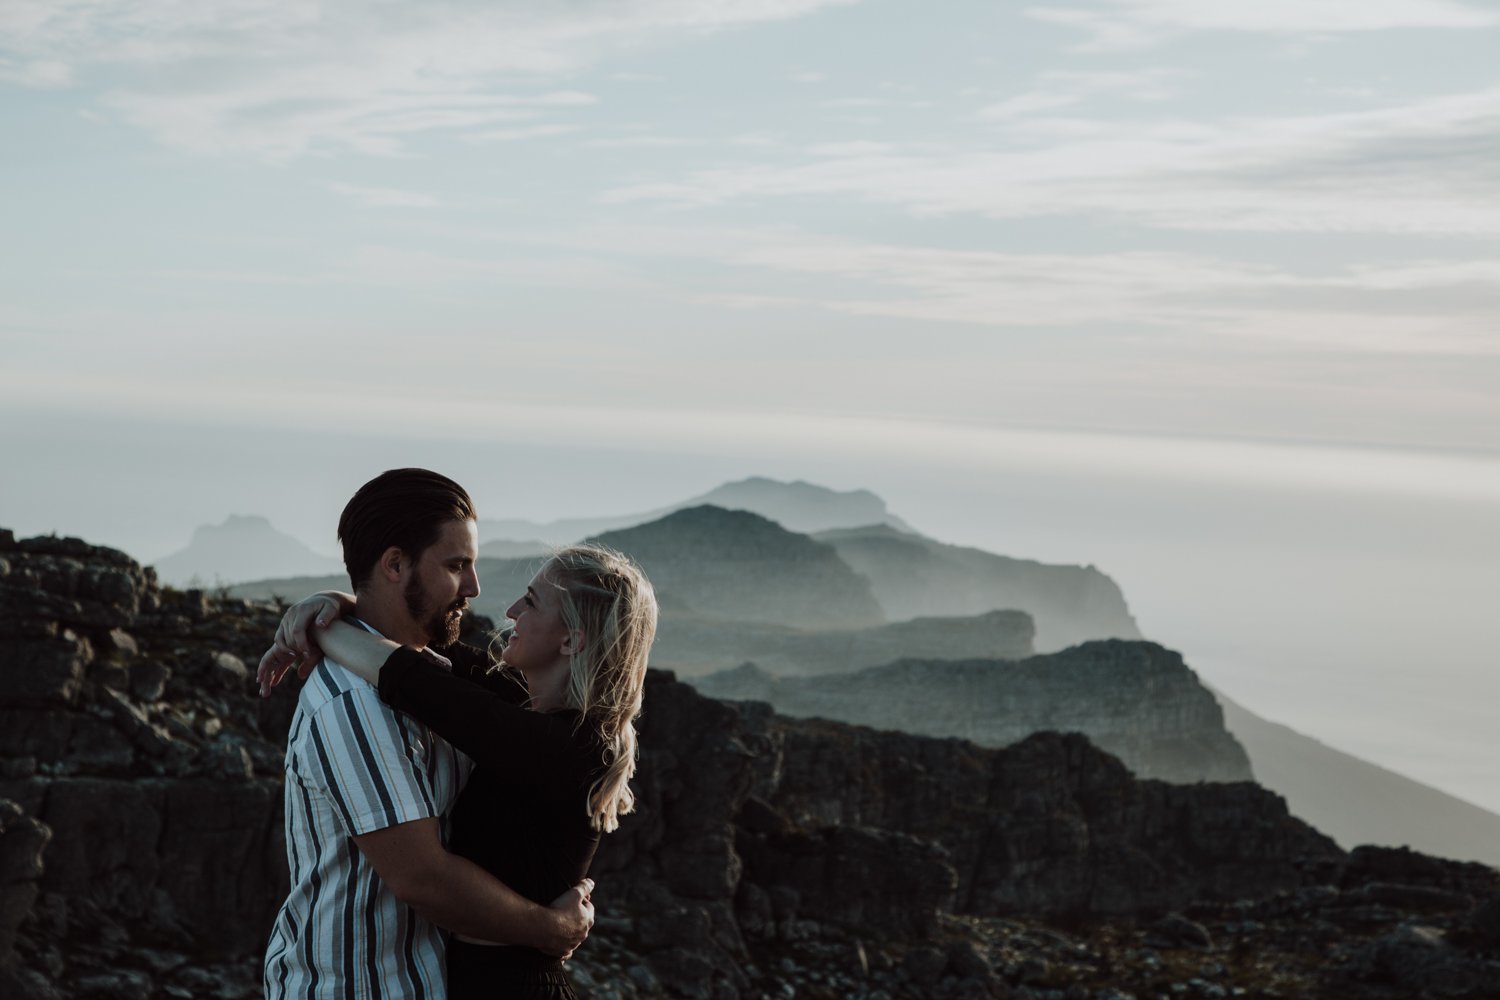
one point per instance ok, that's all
(407, 508)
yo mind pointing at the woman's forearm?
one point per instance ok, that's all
(356, 649)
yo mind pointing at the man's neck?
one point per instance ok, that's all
(391, 620)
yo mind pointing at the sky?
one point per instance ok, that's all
(1162, 285)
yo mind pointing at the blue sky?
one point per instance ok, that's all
(1166, 285)
(1263, 220)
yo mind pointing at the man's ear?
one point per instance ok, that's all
(391, 564)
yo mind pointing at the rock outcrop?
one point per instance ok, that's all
(128, 729)
(768, 856)
(1137, 700)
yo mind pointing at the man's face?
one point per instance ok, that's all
(443, 581)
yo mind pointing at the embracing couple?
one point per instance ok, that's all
(442, 813)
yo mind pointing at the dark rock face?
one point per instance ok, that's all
(128, 730)
(22, 840)
(768, 856)
(1050, 825)
(1136, 700)
(913, 575)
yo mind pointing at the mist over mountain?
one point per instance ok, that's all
(913, 575)
(796, 506)
(737, 588)
(244, 547)
(692, 645)
(1354, 801)
(739, 565)
(506, 548)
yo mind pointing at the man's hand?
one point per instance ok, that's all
(574, 917)
(457, 894)
(295, 644)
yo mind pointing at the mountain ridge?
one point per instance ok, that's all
(796, 505)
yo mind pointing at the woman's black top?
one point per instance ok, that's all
(523, 816)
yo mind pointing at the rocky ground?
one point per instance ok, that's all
(141, 852)
(1434, 931)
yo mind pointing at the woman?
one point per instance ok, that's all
(554, 748)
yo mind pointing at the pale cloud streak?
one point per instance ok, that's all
(1365, 171)
(1369, 308)
(1115, 25)
(280, 81)
(375, 197)
(1059, 89)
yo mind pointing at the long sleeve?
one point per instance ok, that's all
(515, 744)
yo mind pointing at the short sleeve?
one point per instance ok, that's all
(370, 767)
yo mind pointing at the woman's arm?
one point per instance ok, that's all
(532, 748)
(295, 644)
(356, 649)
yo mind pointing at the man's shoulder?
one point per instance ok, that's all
(330, 685)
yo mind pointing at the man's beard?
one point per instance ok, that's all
(441, 625)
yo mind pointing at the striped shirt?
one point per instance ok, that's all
(353, 766)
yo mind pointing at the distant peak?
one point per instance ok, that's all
(236, 524)
(798, 486)
(246, 521)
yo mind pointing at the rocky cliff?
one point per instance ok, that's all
(1136, 700)
(141, 851)
(913, 575)
(127, 730)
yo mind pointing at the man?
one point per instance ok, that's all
(368, 789)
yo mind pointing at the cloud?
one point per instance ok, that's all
(279, 81)
(38, 74)
(1410, 307)
(1424, 167)
(1063, 89)
(640, 142)
(521, 133)
(1114, 25)
(376, 197)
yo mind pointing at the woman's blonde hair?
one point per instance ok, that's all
(607, 601)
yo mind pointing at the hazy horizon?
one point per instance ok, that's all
(1340, 591)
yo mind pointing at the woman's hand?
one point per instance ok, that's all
(296, 642)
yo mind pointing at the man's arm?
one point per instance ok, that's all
(458, 895)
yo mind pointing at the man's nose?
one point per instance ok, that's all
(471, 584)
